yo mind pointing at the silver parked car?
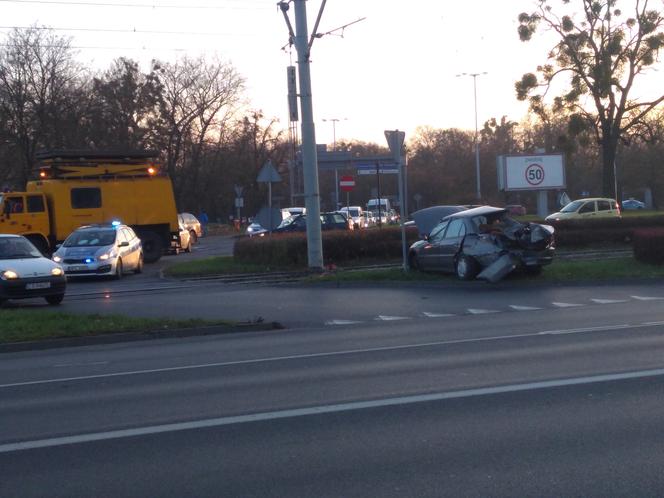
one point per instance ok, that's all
(97, 250)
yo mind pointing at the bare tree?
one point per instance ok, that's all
(197, 98)
(39, 82)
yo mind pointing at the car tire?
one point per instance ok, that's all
(153, 246)
(413, 262)
(139, 266)
(466, 267)
(118, 270)
(55, 299)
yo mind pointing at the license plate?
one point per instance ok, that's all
(77, 268)
(38, 285)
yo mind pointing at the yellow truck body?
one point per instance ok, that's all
(77, 188)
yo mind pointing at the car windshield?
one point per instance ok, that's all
(16, 248)
(88, 238)
(572, 207)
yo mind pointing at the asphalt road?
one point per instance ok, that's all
(441, 390)
(550, 402)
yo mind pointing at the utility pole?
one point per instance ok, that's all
(477, 142)
(309, 156)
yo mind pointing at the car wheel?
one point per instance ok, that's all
(55, 299)
(152, 246)
(118, 270)
(139, 266)
(193, 237)
(466, 267)
(413, 262)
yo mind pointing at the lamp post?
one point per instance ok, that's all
(477, 142)
(334, 122)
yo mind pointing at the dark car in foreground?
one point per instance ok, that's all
(26, 273)
(484, 243)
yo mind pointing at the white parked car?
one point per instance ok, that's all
(98, 250)
(26, 273)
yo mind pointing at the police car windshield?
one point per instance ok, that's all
(88, 238)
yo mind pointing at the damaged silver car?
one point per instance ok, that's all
(484, 243)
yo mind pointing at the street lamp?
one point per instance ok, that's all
(477, 142)
(334, 122)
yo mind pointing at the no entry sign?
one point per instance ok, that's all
(346, 183)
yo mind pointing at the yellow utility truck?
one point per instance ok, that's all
(79, 187)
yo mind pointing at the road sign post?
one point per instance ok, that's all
(395, 140)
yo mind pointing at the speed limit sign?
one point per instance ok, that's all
(534, 174)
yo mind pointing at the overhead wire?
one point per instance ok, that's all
(241, 5)
(119, 30)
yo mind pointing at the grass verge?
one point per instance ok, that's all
(558, 271)
(30, 325)
(217, 265)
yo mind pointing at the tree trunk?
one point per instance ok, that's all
(609, 145)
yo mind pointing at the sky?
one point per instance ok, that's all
(395, 69)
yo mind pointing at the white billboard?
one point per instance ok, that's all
(532, 172)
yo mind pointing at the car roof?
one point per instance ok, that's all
(97, 226)
(594, 199)
(11, 236)
(477, 211)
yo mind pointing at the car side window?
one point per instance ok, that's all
(588, 207)
(437, 232)
(603, 206)
(455, 230)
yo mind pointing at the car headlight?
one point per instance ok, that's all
(56, 272)
(104, 256)
(57, 258)
(9, 275)
(250, 229)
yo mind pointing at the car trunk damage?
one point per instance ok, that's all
(504, 245)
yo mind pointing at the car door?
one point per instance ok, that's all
(428, 256)
(134, 248)
(450, 244)
(604, 209)
(587, 210)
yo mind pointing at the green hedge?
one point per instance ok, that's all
(339, 246)
(649, 245)
(358, 246)
(577, 233)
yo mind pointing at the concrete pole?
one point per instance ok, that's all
(477, 143)
(309, 157)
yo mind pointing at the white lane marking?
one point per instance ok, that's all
(587, 329)
(607, 328)
(341, 322)
(436, 315)
(62, 365)
(647, 298)
(524, 308)
(388, 318)
(323, 409)
(475, 311)
(609, 301)
(566, 305)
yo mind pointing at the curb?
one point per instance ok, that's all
(94, 340)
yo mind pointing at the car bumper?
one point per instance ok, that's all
(25, 288)
(539, 258)
(89, 269)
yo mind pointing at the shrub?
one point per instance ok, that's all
(649, 245)
(339, 246)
